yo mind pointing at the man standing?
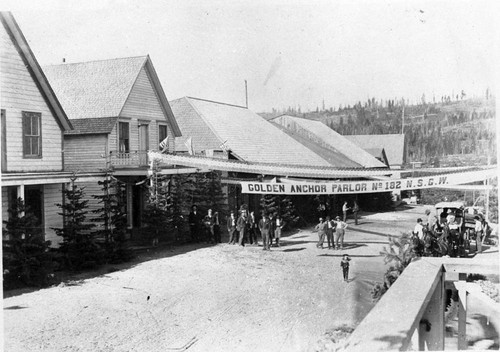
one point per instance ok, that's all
(194, 223)
(272, 227)
(217, 228)
(330, 228)
(241, 227)
(345, 208)
(209, 227)
(321, 227)
(231, 228)
(355, 210)
(339, 233)
(252, 229)
(264, 225)
(277, 232)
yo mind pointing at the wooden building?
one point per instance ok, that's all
(32, 123)
(119, 111)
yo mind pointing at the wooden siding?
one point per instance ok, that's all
(19, 92)
(143, 105)
(85, 152)
(52, 195)
(91, 189)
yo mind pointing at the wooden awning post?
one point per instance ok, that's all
(462, 318)
(431, 327)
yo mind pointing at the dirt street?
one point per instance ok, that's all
(211, 298)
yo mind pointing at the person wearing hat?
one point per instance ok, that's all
(344, 264)
(321, 228)
(340, 232)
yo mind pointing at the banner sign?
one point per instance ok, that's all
(366, 186)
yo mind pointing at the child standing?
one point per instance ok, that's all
(344, 263)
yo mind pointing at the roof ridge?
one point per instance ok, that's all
(101, 60)
(217, 102)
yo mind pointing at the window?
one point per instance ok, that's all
(123, 137)
(162, 133)
(32, 134)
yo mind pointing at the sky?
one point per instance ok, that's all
(291, 53)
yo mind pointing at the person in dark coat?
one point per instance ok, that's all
(217, 228)
(194, 223)
(272, 227)
(231, 228)
(253, 229)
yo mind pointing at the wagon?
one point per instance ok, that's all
(459, 239)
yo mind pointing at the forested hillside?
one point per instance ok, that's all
(447, 132)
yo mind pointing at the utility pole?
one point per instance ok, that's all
(246, 94)
(403, 123)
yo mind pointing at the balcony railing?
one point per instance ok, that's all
(410, 316)
(135, 158)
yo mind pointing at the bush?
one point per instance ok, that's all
(26, 256)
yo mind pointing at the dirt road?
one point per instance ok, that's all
(217, 298)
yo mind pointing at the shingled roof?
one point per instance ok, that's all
(98, 89)
(247, 135)
(319, 133)
(99, 125)
(393, 145)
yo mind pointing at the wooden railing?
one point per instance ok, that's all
(131, 159)
(410, 315)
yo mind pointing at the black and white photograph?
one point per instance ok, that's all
(275, 176)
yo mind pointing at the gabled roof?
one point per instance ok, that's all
(247, 135)
(99, 125)
(35, 70)
(98, 89)
(393, 144)
(378, 153)
(334, 158)
(319, 133)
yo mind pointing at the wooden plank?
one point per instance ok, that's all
(391, 323)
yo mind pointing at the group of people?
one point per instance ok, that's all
(447, 229)
(334, 230)
(246, 229)
(204, 228)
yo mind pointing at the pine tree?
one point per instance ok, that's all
(178, 203)
(78, 246)
(155, 215)
(26, 258)
(113, 219)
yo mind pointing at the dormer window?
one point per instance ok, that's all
(32, 134)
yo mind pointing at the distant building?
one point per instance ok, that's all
(392, 144)
(321, 134)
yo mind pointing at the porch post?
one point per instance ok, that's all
(462, 318)
(431, 327)
(20, 194)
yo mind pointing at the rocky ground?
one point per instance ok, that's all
(212, 298)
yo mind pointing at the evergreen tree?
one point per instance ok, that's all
(113, 219)
(26, 258)
(155, 215)
(78, 246)
(178, 203)
(283, 206)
